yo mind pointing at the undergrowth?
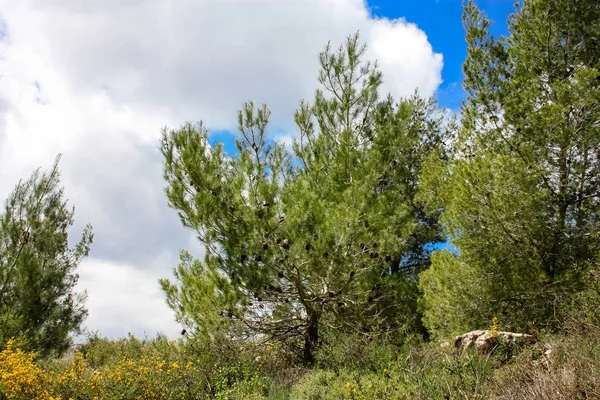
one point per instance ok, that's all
(559, 366)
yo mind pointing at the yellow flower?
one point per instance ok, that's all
(495, 326)
(348, 385)
(21, 377)
(370, 386)
(385, 370)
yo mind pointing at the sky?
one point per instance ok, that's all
(97, 80)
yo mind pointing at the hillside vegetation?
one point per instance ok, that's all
(345, 265)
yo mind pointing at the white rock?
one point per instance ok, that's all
(484, 340)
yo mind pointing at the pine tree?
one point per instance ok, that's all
(521, 192)
(38, 305)
(327, 236)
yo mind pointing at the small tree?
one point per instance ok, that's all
(521, 192)
(37, 267)
(327, 236)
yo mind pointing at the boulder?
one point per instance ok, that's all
(484, 340)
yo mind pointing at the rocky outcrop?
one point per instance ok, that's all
(485, 340)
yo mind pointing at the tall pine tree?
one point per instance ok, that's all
(327, 236)
(521, 193)
(38, 305)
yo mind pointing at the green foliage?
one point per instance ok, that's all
(161, 369)
(328, 235)
(355, 352)
(582, 310)
(412, 372)
(158, 368)
(100, 351)
(520, 192)
(449, 289)
(38, 306)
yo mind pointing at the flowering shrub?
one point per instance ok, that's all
(20, 377)
(159, 369)
(133, 370)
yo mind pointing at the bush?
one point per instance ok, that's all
(411, 371)
(455, 296)
(20, 377)
(157, 368)
(353, 352)
(150, 369)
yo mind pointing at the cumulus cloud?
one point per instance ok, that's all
(124, 299)
(96, 80)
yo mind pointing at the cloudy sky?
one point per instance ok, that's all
(96, 80)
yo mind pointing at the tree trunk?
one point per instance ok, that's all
(395, 266)
(311, 338)
(561, 216)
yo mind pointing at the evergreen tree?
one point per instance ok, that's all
(325, 236)
(37, 268)
(521, 193)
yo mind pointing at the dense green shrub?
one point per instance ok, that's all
(424, 371)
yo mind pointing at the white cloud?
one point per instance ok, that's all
(405, 57)
(123, 299)
(97, 79)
